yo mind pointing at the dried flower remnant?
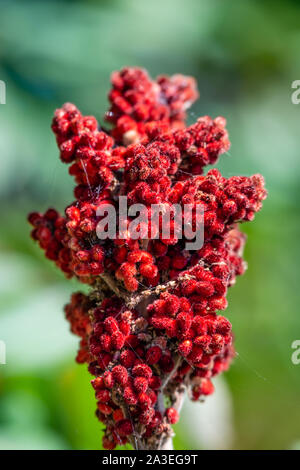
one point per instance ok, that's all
(151, 327)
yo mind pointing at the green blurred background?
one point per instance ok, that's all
(245, 56)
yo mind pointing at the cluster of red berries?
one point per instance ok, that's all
(150, 327)
(94, 160)
(49, 230)
(200, 384)
(129, 362)
(138, 103)
(77, 313)
(201, 144)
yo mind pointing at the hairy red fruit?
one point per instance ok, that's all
(111, 325)
(103, 396)
(142, 370)
(185, 347)
(127, 358)
(108, 444)
(98, 383)
(205, 388)
(172, 415)
(153, 355)
(118, 415)
(140, 384)
(124, 427)
(155, 382)
(144, 401)
(120, 375)
(104, 408)
(108, 379)
(146, 416)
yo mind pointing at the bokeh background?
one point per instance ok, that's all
(245, 55)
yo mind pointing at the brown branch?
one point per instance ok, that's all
(113, 286)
